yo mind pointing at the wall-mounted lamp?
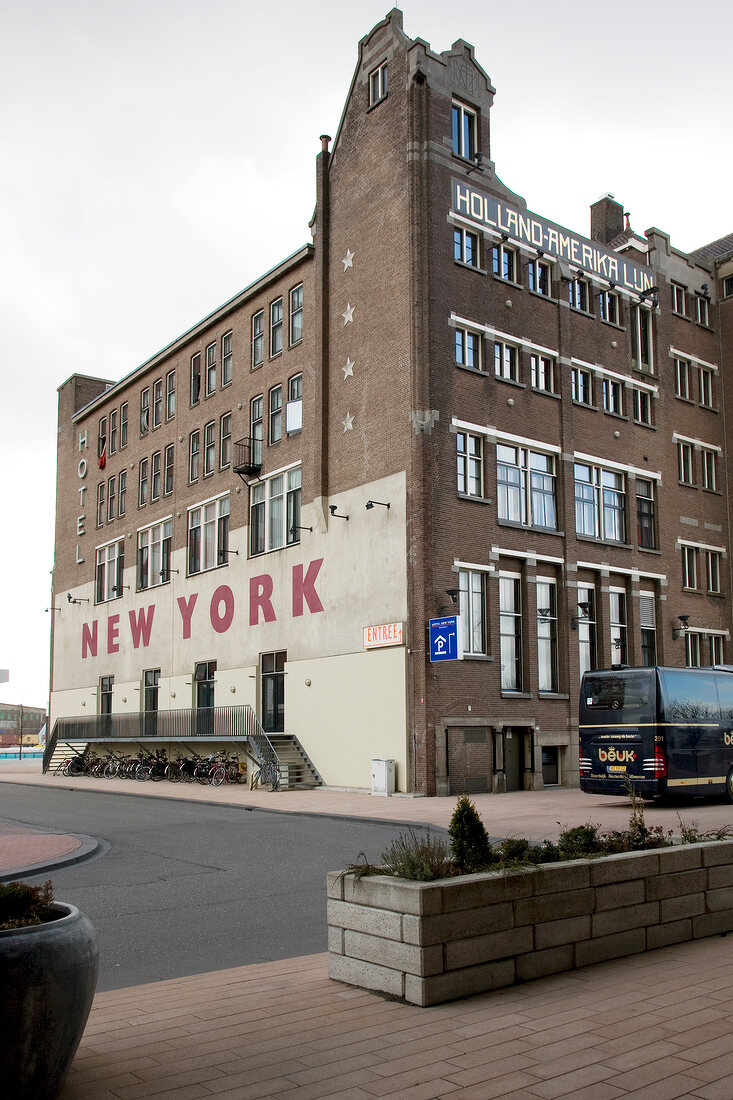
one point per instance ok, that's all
(297, 527)
(165, 574)
(540, 251)
(681, 630)
(52, 609)
(704, 289)
(74, 599)
(583, 613)
(477, 165)
(543, 615)
(370, 504)
(651, 293)
(227, 552)
(332, 509)
(505, 236)
(118, 589)
(452, 594)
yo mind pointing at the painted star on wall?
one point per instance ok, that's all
(348, 316)
(349, 368)
(348, 423)
(348, 260)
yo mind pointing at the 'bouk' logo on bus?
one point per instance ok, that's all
(616, 756)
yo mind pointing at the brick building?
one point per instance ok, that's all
(445, 403)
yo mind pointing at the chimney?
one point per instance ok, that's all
(606, 219)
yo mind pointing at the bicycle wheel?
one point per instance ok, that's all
(217, 776)
(143, 773)
(111, 769)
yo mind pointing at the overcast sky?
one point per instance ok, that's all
(157, 156)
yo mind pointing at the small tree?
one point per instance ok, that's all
(470, 844)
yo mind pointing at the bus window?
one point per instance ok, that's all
(725, 694)
(619, 693)
(689, 696)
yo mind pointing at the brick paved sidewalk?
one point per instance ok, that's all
(23, 847)
(652, 1027)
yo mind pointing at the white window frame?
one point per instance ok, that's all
(510, 640)
(472, 609)
(642, 338)
(609, 306)
(685, 463)
(618, 615)
(196, 378)
(170, 394)
(157, 402)
(274, 511)
(712, 571)
(294, 405)
(225, 441)
(276, 327)
(464, 130)
(467, 346)
(506, 361)
(522, 489)
(109, 571)
(505, 263)
(539, 278)
(682, 381)
(612, 390)
(689, 567)
(579, 294)
(194, 456)
(154, 548)
(542, 372)
(470, 464)
(258, 339)
(581, 382)
(227, 359)
(378, 84)
(210, 361)
(209, 448)
(296, 314)
(642, 406)
(705, 387)
(679, 300)
(466, 249)
(709, 465)
(208, 535)
(155, 475)
(547, 647)
(602, 498)
(169, 461)
(702, 310)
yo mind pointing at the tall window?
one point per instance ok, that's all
(258, 339)
(608, 306)
(682, 385)
(276, 415)
(510, 630)
(709, 472)
(227, 359)
(296, 314)
(705, 384)
(578, 294)
(612, 396)
(208, 535)
(256, 412)
(157, 402)
(641, 339)
(679, 299)
(468, 349)
(106, 684)
(547, 635)
(716, 649)
(113, 431)
(194, 445)
(111, 498)
(210, 369)
(274, 519)
(648, 624)
(542, 369)
(600, 503)
(645, 517)
(100, 504)
(155, 476)
(196, 378)
(465, 247)
(642, 401)
(464, 129)
(525, 488)
(684, 462)
(294, 407)
(225, 440)
(538, 277)
(154, 555)
(505, 263)
(619, 649)
(470, 464)
(170, 394)
(581, 386)
(506, 362)
(712, 570)
(276, 327)
(692, 649)
(472, 605)
(123, 425)
(170, 456)
(142, 495)
(144, 410)
(102, 437)
(209, 448)
(110, 571)
(378, 84)
(587, 636)
(122, 494)
(702, 314)
(689, 567)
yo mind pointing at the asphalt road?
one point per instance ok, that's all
(186, 888)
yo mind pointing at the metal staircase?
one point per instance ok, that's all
(297, 770)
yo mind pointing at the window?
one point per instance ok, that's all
(155, 475)
(689, 567)
(542, 371)
(111, 498)
(110, 571)
(581, 386)
(612, 396)
(679, 300)
(538, 277)
(113, 431)
(682, 386)
(716, 649)
(547, 635)
(642, 401)
(225, 440)
(705, 381)
(472, 607)
(154, 555)
(105, 694)
(510, 631)
(102, 438)
(226, 359)
(468, 349)
(142, 495)
(645, 517)
(378, 84)
(294, 407)
(208, 535)
(506, 362)
(145, 410)
(578, 295)
(641, 339)
(100, 504)
(648, 624)
(196, 378)
(525, 487)
(194, 441)
(464, 131)
(600, 502)
(505, 262)
(170, 394)
(702, 314)
(465, 247)
(728, 286)
(157, 402)
(210, 369)
(692, 649)
(587, 637)
(122, 494)
(296, 314)
(608, 306)
(276, 327)
(258, 339)
(256, 413)
(170, 456)
(209, 448)
(275, 512)
(619, 648)
(712, 570)
(709, 470)
(123, 425)
(276, 416)
(470, 464)
(684, 462)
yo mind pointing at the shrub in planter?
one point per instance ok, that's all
(469, 841)
(48, 974)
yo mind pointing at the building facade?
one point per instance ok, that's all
(444, 404)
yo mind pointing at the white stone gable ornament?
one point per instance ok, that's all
(348, 423)
(348, 260)
(349, 368)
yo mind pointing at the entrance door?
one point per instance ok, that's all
(204, 679)
(514, 759)
(150, 701)
(273, 691)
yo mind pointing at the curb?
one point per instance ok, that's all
(89, 847)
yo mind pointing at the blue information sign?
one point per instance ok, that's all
(444, 639)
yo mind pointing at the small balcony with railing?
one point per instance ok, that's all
(247, 457)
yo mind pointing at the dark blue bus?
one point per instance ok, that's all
(664, 730)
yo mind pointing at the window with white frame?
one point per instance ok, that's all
(712, 571)
(123, 425)
(472, 607)
(728, 286)
(525, 486)
(702, 312)
(468, 349)
(682, 383)
(294, 406)
(170, 394)
(196, 378)
(194, 446)
(510, 631)
(692, 649)
(506, 361)
(648, 626)
(111, 498)
(155, 476)
(109, 571)
(144, 410)
(579, 294)
(600, 503)
(296, 314)
(465, 247)
(608, 306)
(709, 469)
(587, 626)
(581, 386)
(102, 437)
(684, 462)
(716, 649)
(154, 554)
(642, 402)
(679, 300)
(612, 396)
(142, 490)
(641, 339)
(209, 448)
(258, 339)
(542, 372)
(689, 567)
(122, 494)
(208, 535)
(113, 431)
(645, 514)
(210, 369)
(505, 262)
(547, 635)
(377, 84)
(705, 386)
(274, 512)
(617, 619)
(169, 461)
(276, 414)
(469, 451)
(276, 327)
(539, 277)
(101, 488)
(225, 440)
(157, 402)
(227, 359)
(256, 430)
(464, 130)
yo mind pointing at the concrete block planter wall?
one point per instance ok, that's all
(436, 941)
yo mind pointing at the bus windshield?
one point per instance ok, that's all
(624, 695)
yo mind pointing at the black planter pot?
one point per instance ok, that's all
(48, 974)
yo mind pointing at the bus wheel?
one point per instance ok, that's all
(729, 786)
